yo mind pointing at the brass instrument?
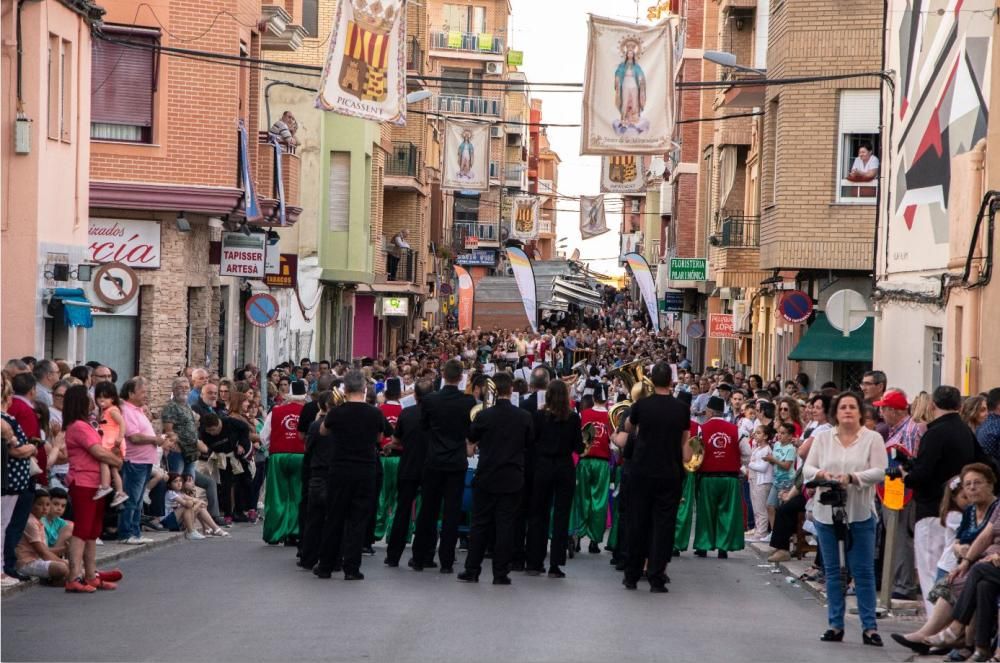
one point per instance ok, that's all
(588, 432)
(698, 447)
(616, 412)
(489, 399)
(633, 375)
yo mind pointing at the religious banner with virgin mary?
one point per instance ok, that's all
(592, 219)
(628, 88)
(466, 156)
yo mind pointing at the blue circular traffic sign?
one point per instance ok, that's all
(696, 329)
(262, 310)
(795, 306)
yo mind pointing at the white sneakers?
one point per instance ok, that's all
(136, 541)
(8, 581)
(194, 535)
(103, 492)
(120, 498)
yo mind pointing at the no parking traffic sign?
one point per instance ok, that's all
(262, 310)
(795, 306)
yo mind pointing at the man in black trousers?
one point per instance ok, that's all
(356, 428)
(411, 438)
(656, 476)
(502, 433)
(539, 381)
(445, 419)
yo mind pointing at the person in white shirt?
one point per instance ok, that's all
(761, 477)
(865, 166)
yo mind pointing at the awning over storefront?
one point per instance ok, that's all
(74, 306)
(822, 342)
(570, 291)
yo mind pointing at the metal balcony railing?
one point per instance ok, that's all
(482, 231)
(469, 105)
(414, 56)
(513, 173)
(404, 160)
(401, 269)
(466, 41)
(739, 232)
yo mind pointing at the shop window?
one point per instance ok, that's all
(859, 147)
(123, 84)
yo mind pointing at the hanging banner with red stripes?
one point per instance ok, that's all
(365, 71)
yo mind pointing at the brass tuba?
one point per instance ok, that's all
(616, 412)
(489, 399)
(698, 447)
(632, 376)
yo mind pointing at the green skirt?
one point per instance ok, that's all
(284, 493)
(590, 503)
(387, 497)
(682, 531)
(719, 525)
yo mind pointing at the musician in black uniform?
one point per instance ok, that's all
(656, 475)
(445, 419)
(411, 438)
(558, 436)
(539, 381)
(501, 433)
(356, 428)
(319, 451)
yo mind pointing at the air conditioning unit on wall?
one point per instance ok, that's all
(496, 132)
(494, 68)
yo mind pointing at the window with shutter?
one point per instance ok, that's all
(339, 211)
(858, 129)
(123, 84)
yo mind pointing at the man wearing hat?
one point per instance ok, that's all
(725, 392)
(719, 523)
(593, 472)
(280, 435)
(902, 442)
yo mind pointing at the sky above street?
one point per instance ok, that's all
(553, 36)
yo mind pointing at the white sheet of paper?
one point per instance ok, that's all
(408, 401)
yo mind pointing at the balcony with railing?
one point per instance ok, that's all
(737, 232)
(267, 183)
(402, 268)
(467, 234)
(513, 174)
(469, 42)
(403, 168)
(470, 105)
(414, 56)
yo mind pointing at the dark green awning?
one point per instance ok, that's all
(822, 342)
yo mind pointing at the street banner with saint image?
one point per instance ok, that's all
(466, 156)
(365, 71)
(623, 173)
(524, 218)
(466, 297)
(644, 278)
(628, 89)
(524, 276)
(592, 219)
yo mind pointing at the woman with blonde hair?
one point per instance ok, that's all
(974, 411)
(922, 408)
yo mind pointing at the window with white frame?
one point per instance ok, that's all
(858, 152)
(339, 211)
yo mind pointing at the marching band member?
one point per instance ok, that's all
(593, 472)
(389, 458)
(719, 525)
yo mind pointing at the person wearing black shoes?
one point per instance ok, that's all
(656, 474)
(557, 437)
(501, 434)
(539, 380)
(318, 452)
(356, 428)
(445, 419)
(411, 439)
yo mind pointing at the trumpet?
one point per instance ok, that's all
(489, 399)
(698, 447)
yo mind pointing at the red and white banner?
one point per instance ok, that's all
(466, 297)
(243, 255)
(720, 325)
(134, 243)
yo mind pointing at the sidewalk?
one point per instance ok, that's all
(112, 552)
(791, 570)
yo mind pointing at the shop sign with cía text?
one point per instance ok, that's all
(134, 243)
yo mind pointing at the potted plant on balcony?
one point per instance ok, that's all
(445, 252)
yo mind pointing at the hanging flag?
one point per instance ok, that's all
(466, 297)
(524, 275)
(365, 71)
(628, 88)
(592, 221)
(623, 173)
(524, 224)
(279, 181)
(643, 277)
(251, 206)
(466, 156)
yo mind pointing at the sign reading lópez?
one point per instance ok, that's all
(132, 243)
(243, 255)
(720, 325)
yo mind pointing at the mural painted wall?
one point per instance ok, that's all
(940, 51)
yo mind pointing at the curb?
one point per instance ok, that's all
(113, 552)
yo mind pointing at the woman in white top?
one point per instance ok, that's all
(855, 457)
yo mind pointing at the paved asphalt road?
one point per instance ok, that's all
(239, 600)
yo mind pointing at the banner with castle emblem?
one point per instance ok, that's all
(628, 89)
(466, 156)
(592, 219)
(524, 218)
(623, 173)
(365, 71)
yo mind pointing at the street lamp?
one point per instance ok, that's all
(728, 60)
(417, 96)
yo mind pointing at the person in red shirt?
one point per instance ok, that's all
(593, 472)
(388, 494)
(22, 408)
(719, 524)
(284, 468)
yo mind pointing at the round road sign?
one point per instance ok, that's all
(262, 310)
(795, 306)
(696, 329)
(847, 310)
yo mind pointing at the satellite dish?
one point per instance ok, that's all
(432, 305)
(847, 310)
(657, 166)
